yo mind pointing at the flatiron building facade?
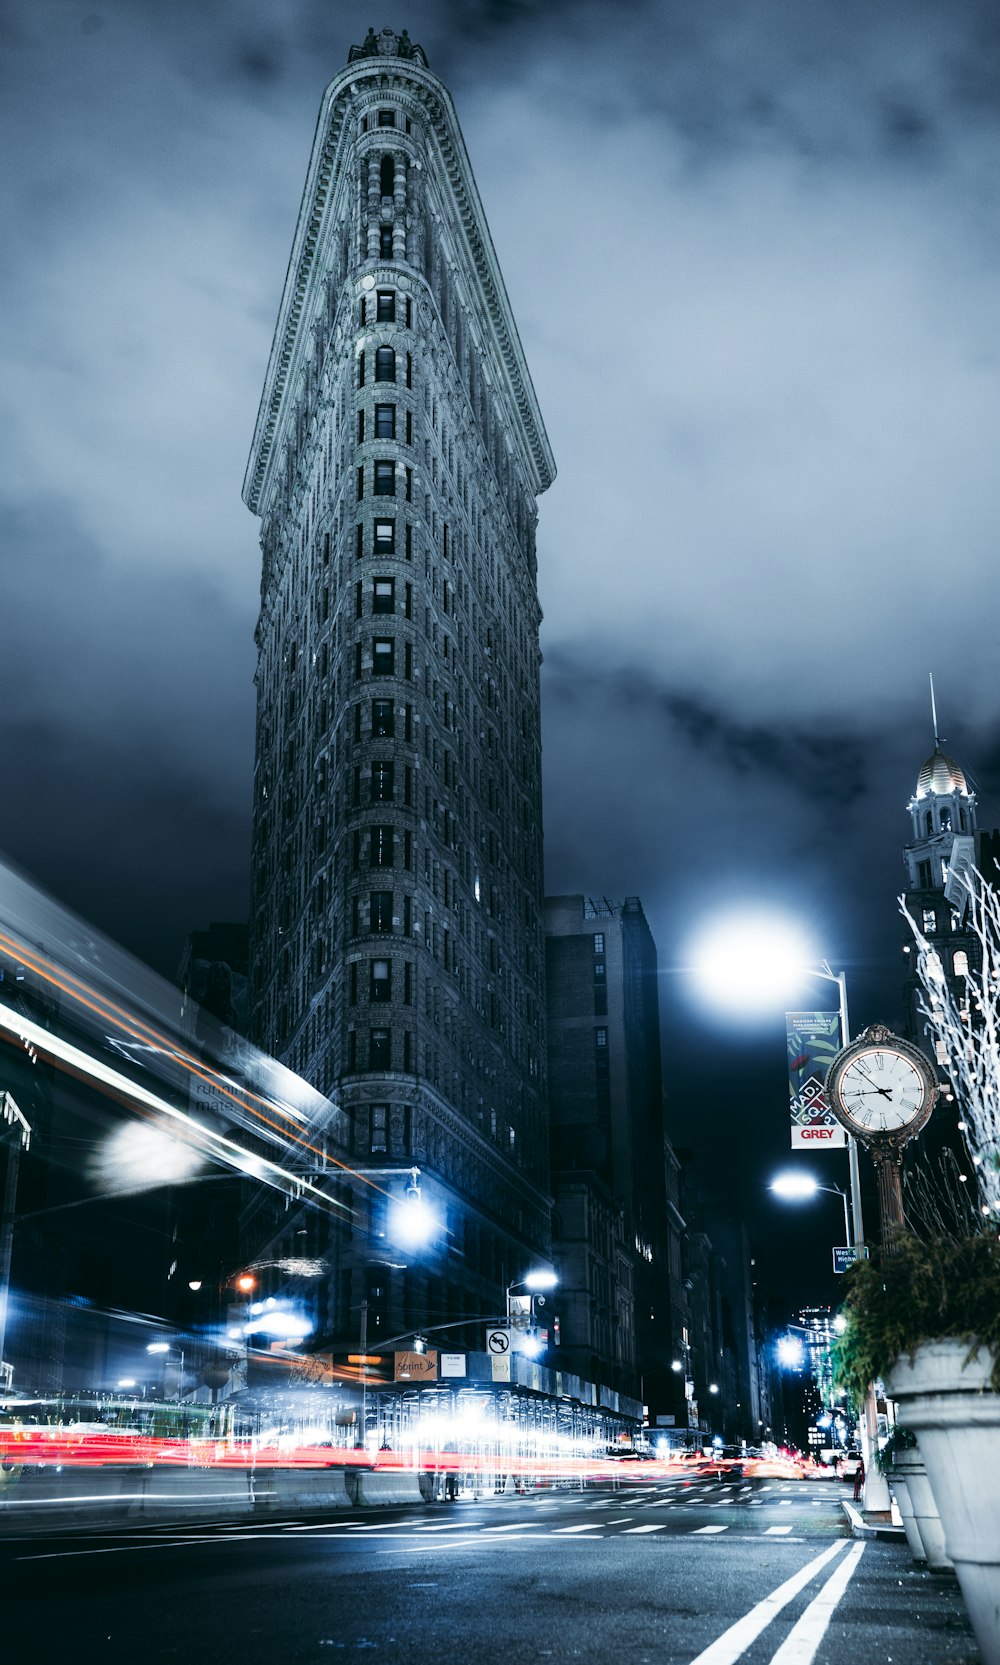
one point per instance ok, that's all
(397, 941)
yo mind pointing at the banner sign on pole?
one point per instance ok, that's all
(814, 1040)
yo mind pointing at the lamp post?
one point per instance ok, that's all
(793, 1187)
(522, 1308)
(167, 1347)
(20, 1140)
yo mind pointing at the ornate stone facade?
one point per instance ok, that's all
(397, 942)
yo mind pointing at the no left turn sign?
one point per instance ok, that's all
(498, 1342)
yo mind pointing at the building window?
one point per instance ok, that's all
(382, 782)
(960, 963)
(385, 307)
(599, 942)
(385, 364)
(385, 242)
(930, 921)
(601, 1039)
(924, 875)
(383, 724)
(380, 981)
(381, 843)
(385, 479)
(409, 312)
(361, 482)
(386, 177)
(383, 656)
(352, 1051)
(385, 537)
(387, 118)
(385, 422)
(378, 1049)
(380, 911)
(383, 595)
(361, 426)
(379, 1127)
(945, 818)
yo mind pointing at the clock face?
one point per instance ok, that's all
(881, 1090)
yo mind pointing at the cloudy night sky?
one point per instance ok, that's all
(752, 252)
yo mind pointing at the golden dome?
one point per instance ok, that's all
(942, 776)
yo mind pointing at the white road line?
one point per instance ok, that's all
(784, 1503)
(735, 1641)
(452, 1526)
(632, 1529)
(699, 1530)
(130, 1549)
(620, 1521)
(777, 1532)
(561, 1531)
(519, 1526)
(318, 1525)
(799, 1646)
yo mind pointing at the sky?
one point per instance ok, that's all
(752, 255)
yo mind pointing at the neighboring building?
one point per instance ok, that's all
(943, 821)
(609, 1154)
(397, 953)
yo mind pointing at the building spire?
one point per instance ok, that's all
(934, 719)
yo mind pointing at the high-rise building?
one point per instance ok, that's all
(605, 1096)
(397, 952)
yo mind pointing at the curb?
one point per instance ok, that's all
(862, 1528)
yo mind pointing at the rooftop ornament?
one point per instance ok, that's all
(387, 44)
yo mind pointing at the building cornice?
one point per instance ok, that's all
(306, 269)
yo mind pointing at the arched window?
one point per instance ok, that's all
(960, 963)
(961, 819)
(945, 819)
(387, 176)
(385, 364)
(928, 823)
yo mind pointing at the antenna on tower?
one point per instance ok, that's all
(937, 741)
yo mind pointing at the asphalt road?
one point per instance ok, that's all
(756, 1572)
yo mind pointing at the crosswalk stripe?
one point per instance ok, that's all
(777, 1531)
(700, 1530)
(629, 1530)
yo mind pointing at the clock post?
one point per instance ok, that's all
(882, 1089)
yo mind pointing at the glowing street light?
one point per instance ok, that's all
(412, 1223)
(802, 1187)
(750, 962)
(790, 1352)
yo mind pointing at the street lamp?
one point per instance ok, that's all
(796, 1187)
(522, 1308)
(749, 963)
(166, 1347)
(412, 1223)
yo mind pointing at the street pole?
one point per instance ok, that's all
(20, 1139)
(363, 1350)
(856, 1238)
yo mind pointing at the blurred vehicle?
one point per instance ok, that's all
(848, 1465)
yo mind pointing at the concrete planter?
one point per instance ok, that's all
(918, 1510)
(952, 1409)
